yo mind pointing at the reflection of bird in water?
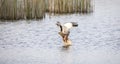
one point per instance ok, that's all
(65, 31)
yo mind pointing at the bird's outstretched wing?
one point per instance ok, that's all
(74, 24)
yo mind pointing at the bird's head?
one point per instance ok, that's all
(58, 23)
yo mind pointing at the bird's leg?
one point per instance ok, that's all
(65, 38)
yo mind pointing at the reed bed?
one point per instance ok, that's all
(22, 9)
(35, 9)
(69, 6)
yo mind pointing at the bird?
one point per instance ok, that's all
(65, 30)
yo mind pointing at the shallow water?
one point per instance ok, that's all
(95, 41)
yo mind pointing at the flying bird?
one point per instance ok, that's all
(65, 30)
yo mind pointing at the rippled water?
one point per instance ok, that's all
(95, 41)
